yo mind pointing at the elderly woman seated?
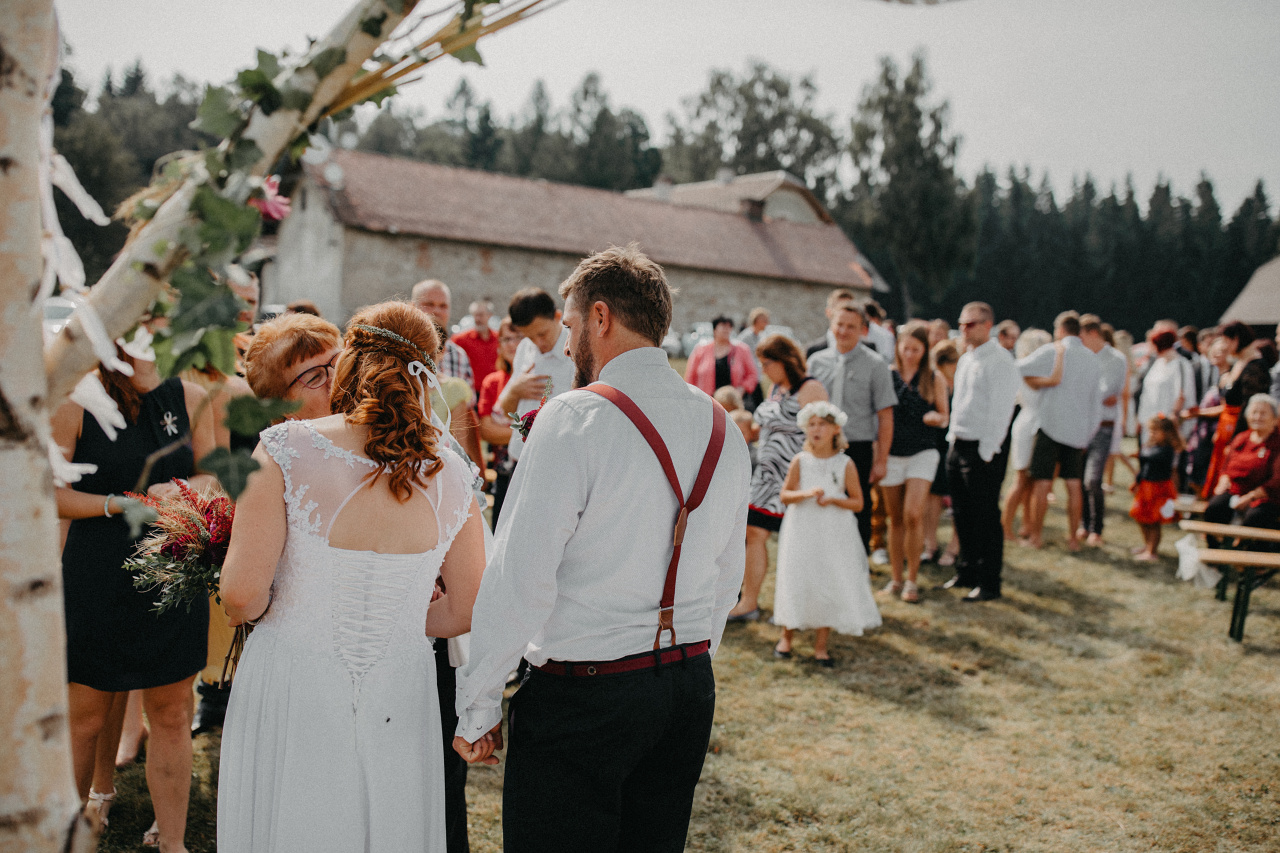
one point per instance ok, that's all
(1249, 489)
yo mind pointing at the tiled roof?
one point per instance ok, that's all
(396, 196)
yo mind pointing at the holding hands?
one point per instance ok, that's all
(480, 752)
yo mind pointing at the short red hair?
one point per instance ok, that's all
(282, 343)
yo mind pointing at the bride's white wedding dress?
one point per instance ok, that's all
(332, 738)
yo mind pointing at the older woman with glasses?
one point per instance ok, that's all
(292, 357)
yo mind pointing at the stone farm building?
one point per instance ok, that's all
(366, 227)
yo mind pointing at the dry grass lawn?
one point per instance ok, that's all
(1099, 707)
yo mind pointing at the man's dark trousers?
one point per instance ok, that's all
(606, 763)
(863, 454)
(975, 505)
(1095, 465)
(455, 766)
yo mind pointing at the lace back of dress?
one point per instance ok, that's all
(375, 603)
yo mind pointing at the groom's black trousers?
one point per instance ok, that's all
(606, 763)
(455, 767)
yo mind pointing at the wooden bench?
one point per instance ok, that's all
(1251, 568)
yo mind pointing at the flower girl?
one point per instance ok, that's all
(823, 578)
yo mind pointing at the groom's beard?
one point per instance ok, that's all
(584, 367)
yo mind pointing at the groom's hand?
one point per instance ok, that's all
(480, 752)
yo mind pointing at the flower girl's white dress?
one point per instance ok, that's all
(332, 738)
(823, 577)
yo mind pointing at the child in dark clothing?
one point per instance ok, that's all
(1153, 492)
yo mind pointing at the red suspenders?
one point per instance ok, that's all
(710, 458)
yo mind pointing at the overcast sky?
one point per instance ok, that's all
(1110, 87)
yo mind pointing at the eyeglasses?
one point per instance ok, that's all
(314, 377)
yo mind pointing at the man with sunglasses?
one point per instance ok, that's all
(986, 385)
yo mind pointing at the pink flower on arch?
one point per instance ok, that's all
(272, 205)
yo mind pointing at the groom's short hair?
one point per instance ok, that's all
(633, 286)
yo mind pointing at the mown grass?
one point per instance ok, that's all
(1100, 706)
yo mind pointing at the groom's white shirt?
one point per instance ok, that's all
(582, 547)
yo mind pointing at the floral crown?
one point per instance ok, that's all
(821, 409)
(390, 335)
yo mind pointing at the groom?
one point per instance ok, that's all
(609, 732)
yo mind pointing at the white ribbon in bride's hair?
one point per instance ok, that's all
(417, 370)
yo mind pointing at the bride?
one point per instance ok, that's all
(332, 739)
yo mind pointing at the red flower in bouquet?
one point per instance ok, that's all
(524, 423)
(182, 557)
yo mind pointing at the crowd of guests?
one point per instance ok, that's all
(930, 420)
(860, 442)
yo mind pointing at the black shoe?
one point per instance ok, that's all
(956, 581)
(980, 594)
(212, 709)
(781, 655)
(825, 663)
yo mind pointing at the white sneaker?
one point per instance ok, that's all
(880, 557)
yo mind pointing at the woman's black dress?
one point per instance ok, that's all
(115, 640)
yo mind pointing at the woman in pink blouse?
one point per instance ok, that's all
(722, 361)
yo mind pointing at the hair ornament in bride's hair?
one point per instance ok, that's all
(400, 339)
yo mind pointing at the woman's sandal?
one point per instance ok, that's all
(893, 587)
(151, 838)
(103, 805)
(911, 592)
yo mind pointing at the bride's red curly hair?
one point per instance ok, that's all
(373, 388)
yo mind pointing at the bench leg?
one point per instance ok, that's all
(1240, 609)
(1224, 582)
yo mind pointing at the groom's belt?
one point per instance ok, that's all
(631, 663)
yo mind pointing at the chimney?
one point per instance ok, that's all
(752, 208)
(724, 175)
(662, 188)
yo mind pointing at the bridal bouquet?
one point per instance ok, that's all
(182, 557)
(524, 423)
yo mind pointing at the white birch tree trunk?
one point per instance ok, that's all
(39, 807)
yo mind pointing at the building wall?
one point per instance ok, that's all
(377, 267)
(309, 256)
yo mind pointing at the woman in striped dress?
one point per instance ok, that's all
(780, 440)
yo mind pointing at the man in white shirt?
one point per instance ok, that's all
(541, 357)
(986, 386)
(1069, 416)
(610, 729)
(1115, 381)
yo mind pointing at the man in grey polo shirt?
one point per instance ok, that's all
(858, 382)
